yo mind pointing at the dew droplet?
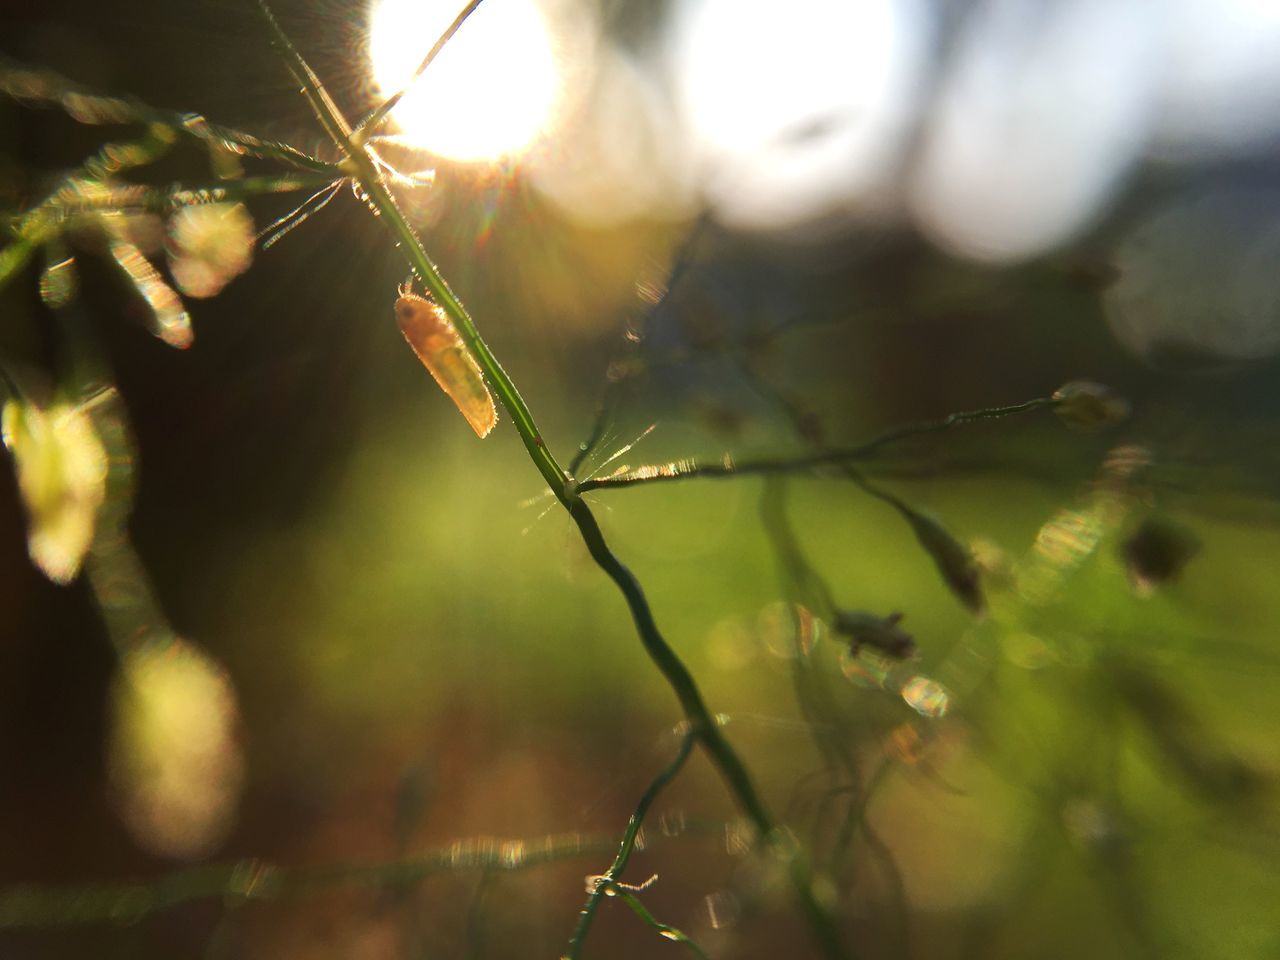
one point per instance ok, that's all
(867, 668)
(788, 630)
(926, 696)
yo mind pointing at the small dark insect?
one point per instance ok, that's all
(880, 633)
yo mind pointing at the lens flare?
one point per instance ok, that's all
(490, 91)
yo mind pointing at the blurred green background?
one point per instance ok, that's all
(420, 652)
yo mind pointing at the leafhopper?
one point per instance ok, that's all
(433, 338)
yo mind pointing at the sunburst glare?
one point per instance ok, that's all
(488, 94)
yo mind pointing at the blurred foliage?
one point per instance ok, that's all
(399, 653)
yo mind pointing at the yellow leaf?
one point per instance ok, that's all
(62, 475)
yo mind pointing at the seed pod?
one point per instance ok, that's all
(1089, 406)
(952, 558)
(1156, 552)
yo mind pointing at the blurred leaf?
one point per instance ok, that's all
(1184, 743)
(210, 244)
(62, 475)
(1157, 551)
(170, 322)
(952, 558)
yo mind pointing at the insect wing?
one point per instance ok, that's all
(437, 344)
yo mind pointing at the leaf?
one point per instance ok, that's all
(952, 558)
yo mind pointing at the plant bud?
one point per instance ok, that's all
(1084, 405)
(952, 558)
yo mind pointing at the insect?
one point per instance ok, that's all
(433, 338)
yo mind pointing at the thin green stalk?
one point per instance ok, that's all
(502, 384)
(380, 199)
(680, 265)
(44, 88)
(120, 197)
(33, 906)
(670, 932)
(627, 846)
(727, 467)
(49, 217)
(371, 123)
(813, 694)
(701, 724)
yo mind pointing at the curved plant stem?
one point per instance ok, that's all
(702, 726)
(371, 123)
(361, 163)
(44, 88)
(627, 846)
(671, 933)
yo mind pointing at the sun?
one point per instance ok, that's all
(490, 92)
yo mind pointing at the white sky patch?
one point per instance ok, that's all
(1222, 77)
(795, 110)
(1045, 112)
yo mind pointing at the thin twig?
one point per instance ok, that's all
(701, 723)
(257, 881)
(381, 200)
(816, 703)
(625, 849)
(604, 411)
(703, 726)
(44, 88)
(371, 123)
(670, 932)
(727, 467)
